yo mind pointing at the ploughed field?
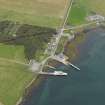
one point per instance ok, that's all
(36, 12)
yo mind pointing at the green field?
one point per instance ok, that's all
(23, 27)
(12, 52)
(28, 43)
(97, 6)
(14, 76)
(13, 80)
(48, 13)
(83, 8)
(77, 14)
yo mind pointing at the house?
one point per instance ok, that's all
(95, 18)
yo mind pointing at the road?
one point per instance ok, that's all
(80, 26)
(59, 35)
(60, 32)
(54, 43)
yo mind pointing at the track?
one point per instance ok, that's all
(81, 26)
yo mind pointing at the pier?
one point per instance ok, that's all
(51, 50)
(63, 59)
(74, 66)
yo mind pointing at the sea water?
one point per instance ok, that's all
(85, 87)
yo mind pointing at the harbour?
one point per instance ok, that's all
(85, 87)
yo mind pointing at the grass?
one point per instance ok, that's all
(12, 52)
(13, 79)
(40, 56)
(26, 43)
(77, 14)
(83, 8)
(71, 48)
(97, 6)
(14, 75)
(61, 44)
(35, 12)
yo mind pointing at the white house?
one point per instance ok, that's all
(95, 18)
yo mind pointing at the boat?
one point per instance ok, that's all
(55, 73)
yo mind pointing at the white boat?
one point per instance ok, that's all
(55, 73)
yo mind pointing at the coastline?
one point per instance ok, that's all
(80, 38)
(28, 89)
(36, 82)
(86, 86)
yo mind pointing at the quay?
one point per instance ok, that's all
(55, 73)
(74, 66)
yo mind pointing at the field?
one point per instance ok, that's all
(23, 26)
(12, 52)
(47, 13)
(83, 8)
(97, 6)
(14, 75)
(13, 80)
(77, 14)
(28, 43)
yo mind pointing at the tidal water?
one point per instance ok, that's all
(85, 87)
